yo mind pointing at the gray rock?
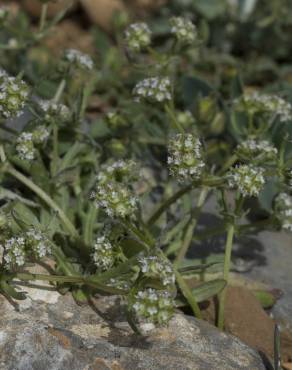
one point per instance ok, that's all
(56, 334)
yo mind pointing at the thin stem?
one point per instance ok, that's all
(191, 227)
(55, 158)
(60, 91)
(43, 17)
(172, 116)
(187, 293)
(227, 260)
(45, 197)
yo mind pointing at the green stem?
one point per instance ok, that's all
(55, 158)
(227, 261)
(45, 197)
(173, 119)
(187, 293)
(60, 91)
(139, 234)
(43, 17)
(89, 224)
(191, 227)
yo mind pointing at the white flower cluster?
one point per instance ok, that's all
(37, 243)
(283, 207)
(153, 89)
(25, 143)
(249, 180)
(79, 59)
(252, 149)
(183, 29)
(103, 255)
(14, 252)
(13, 95)
(153, 305)
(185, 157)
(121, 170)
(138, 36)
(53, 110)
(25, 147)
(157, 267)
(116, 199)
(262, 103)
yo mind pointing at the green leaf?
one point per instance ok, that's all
(10, 291)
(23, 216)
(205, 291)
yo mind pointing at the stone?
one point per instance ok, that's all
(59, 335)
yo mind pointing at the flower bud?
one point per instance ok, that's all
(13, 95)
(53, 111)
(183, 29)
(25, 146)
(185, 157)
(157, 267)
(103, 255)
(155, 306)
(78, 59)
(138, 36)
(247, 179)
(154, 89)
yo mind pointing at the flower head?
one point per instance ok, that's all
(103, 255)
(138, 36)
(154, 89)
(123, 171)
(154, 266)
(249, 180)
(155, 306)
(271, 105)
(116, 199)
(14, 252)
(53, 110)
(283, 210)
(183, 29)
(13, 95)
(79, 59)
(40, 134)
(37, 243)
(185, 157)
(257, 150)
(25, 146)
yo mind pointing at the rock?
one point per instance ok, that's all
(34, 7)
(61, 335)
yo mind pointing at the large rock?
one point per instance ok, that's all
(50, 332)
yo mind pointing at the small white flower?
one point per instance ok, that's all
(103, 255)
(25, 146)
(80, 59)
(14, 252)
(183, 29)
(153, 89)
(247, 179)
(138, 36)
(53, 110)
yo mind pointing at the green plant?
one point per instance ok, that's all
(80, 192)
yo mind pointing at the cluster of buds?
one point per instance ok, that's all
(272, 105)
(79, 59)
(123, 171)
(185, 118)
(183, 29)
(37, 244)
(185, 157)
(283, 210)
(260, 150)
(249, 180)
(153, 89)
(157, 267)
(138, 36)
(113, 191)
(103, 255)
(151, 305)
(53, 111)
(13, 95)
(25, 143)
(30, 243)
(115, 120)
(116, 199)
(14, 252)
